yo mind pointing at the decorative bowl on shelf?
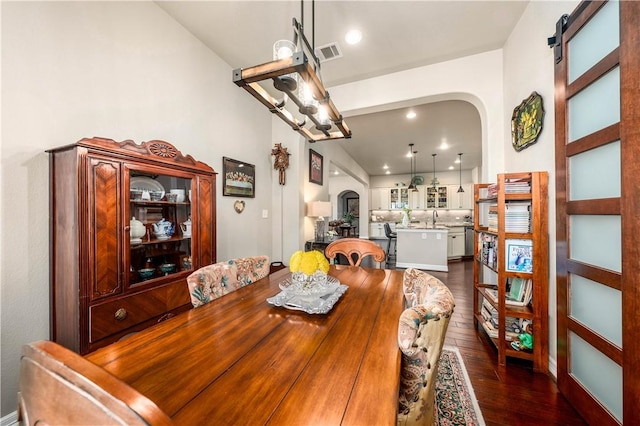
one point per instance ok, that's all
(156, 195)
(172, 198)
(135, 194)
(146, 273)
(167, 268)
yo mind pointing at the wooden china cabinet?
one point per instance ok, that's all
(111, 274)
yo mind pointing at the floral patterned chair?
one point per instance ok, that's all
(213, 281)
(421, 333)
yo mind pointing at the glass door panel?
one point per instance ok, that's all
(160, 227)
(599, 375)
(584, 118)
(596, 240)
(587, 185)
(594, 41)
(587, 297)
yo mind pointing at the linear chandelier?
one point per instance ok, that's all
(295, 71)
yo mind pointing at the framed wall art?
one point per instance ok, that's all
(353, 206)
(315, 167)
(239, 178)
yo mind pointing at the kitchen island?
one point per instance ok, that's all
(422, 247)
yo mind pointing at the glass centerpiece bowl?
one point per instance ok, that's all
(309, 273)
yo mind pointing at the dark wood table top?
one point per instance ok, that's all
(240, 360)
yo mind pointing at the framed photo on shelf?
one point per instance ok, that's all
(315, 167)
(519, 256)
(239, 178)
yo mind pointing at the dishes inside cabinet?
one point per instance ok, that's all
(144, 183)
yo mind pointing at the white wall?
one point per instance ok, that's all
(122, 70)
(528, 67)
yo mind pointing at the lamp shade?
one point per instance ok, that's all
(319, 208)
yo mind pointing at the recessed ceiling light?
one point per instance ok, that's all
(385, 167)
(450, 167)
(457, 161)
(336, 172)
(387, 172)
(411, 114)
(444, 145)
(353, 37)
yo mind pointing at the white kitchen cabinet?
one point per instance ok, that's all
(376, 229)
(379, 199)
(417, 199)
(460, 200)
(437, 197)
(399, 198)
(455, 242)
(467, 197)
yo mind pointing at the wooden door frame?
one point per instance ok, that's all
(627, 56)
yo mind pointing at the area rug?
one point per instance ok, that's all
(456, 403)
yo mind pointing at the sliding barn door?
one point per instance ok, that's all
(597, 101)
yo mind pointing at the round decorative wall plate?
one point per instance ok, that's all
(238, 206)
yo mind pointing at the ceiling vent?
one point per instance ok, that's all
(328, 52)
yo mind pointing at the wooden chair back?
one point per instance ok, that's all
(355, 248)
(60, 387)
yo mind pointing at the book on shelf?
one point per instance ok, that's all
(492, 190)
(517, 217)
(517, 186)
(519, 256)
(487, 249)
(519, 293)
(492, 293)
(492, 218)
(493, 332)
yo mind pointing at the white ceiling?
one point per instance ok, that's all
(397, 35)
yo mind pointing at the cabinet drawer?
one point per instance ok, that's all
(117, 315)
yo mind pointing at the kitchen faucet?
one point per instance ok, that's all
(434, 216)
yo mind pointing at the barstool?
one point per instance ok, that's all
(391, 236)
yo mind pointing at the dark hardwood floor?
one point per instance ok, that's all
(509, 395)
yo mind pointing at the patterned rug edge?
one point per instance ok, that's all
(459, 379)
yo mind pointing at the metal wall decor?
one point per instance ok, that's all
(526, 122)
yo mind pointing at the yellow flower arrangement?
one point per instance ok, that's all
(308, 262)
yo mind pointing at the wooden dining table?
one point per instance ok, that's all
(240, 360)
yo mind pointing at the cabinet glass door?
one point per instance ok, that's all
(160, 226)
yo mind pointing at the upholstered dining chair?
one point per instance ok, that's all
(60, 387)
(355, 249)
(213, 281)
(421, 332)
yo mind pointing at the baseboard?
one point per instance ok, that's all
(10, 419)
(553, 369)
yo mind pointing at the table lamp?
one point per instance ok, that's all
(320, 210)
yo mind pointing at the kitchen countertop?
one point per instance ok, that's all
(422, 228)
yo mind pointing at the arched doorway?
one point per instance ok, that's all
(349, 209)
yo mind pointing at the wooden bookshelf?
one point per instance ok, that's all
(527, 195)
